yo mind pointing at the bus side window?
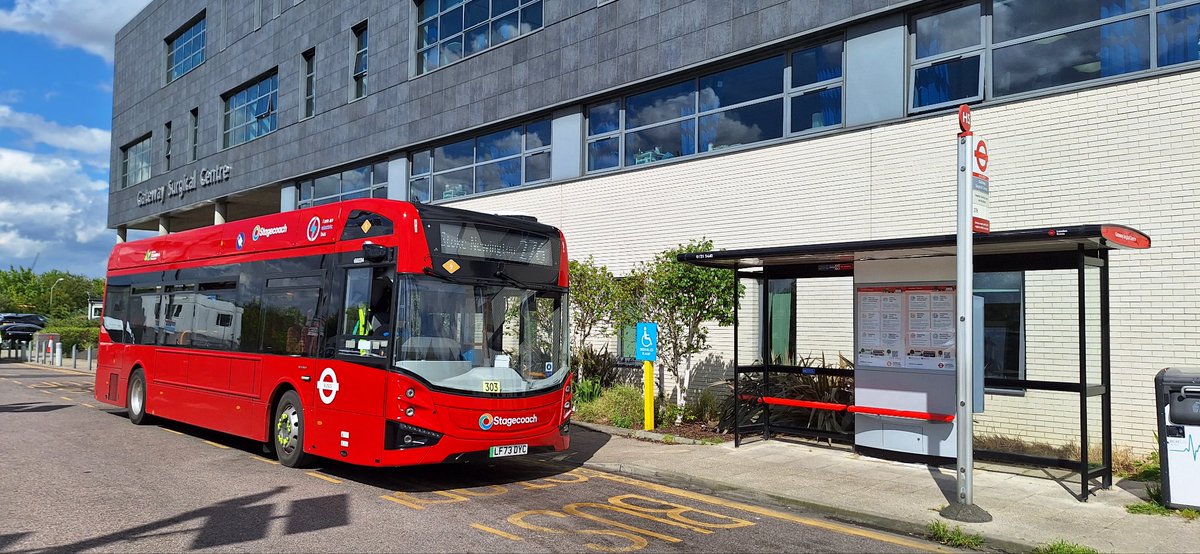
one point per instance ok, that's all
(366, 312)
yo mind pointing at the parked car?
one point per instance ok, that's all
(32, 319)
(13, 333)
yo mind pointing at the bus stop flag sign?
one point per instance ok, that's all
(647, 342)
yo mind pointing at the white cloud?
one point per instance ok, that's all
(76, 138)
(90, 25)
(51, 210)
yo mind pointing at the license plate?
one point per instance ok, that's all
(509, 450)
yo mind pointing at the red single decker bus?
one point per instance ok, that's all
(370, 331)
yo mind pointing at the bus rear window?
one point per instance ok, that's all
(495, 243)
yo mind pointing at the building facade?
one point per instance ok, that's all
(635, 126)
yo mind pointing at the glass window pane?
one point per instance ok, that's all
(504, 28)
(379, 192)
(356, 179)
(498, 175)
(1021, 18)
(328, 185)
(660, 143)
(948, 31)
(427, 60)
(813, 65)
(660, 105)
(1179, 35)
(742, 84)
(1082, 55)
(531, 17)
(604, 118)
(946, 81)
(500, 144)
(1003, 294)
(447, 4)
(426, 9)
(427, 33)
(453, 184)
(817, 109)
(452, 50)
(537, 134)
(537, 167)
(476, 40)
(452, 22)
(744, 125)
(453, 155)
(476, 13)
(379, 173)
(604, 154)
(306, 190)
(418, 190)
(420, 162)
(502, 6)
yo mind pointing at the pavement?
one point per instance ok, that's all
(1030, 508)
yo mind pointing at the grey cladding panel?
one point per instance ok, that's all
(875, 71)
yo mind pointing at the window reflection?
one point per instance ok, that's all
(813, 65)
(742, 84)
(948, 31)
(1021, 18)
(604, 154)
(660, 143)
(946, 81)
(745, 125)
(1112, 49)
(663, 104)
(1179, 35)
(817, 109)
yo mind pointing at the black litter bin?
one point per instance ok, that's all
(1178, 398)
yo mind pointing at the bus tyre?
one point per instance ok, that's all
(136, 399)
(288, 430)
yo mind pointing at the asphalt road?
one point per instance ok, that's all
(79, 476)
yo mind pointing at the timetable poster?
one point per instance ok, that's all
(910, 327)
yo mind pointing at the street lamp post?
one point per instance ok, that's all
(51, 309)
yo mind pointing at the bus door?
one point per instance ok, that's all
(360, 331)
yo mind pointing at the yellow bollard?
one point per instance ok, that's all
(648, 393)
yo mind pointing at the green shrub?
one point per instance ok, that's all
(79, 337)
(619, 406)
(706, 408)
(956, 537)
(597, 365)
(668, 412)
(587, 390)
(1063, 547)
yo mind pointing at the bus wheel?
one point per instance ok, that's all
(289, 430)
(136, 400)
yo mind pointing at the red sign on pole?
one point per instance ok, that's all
(980, 188)
(964, 118)
(981, 157)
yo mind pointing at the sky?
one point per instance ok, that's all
(55, 119)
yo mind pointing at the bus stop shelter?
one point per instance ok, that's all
(906, 412)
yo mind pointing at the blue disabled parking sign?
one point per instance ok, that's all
(647, 342)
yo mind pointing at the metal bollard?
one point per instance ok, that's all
(74, 358)
(58, 354)
(89, 358)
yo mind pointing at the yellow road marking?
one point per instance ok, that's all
(496, 532)
(218, 445)
(67, 371)
(324, 477)
(45, 392)
(264, 460)
(403, 503)
(88, 405)
(65, 398)
(830, 526)
(171, 431)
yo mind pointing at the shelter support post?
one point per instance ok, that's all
(737, 420)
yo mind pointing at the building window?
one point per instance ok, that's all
(358, 72)
(368, 181)
(815, 91)
(185, 49)
(167, 144)
(734, 107)
(250, 111)
(310, 84)
(1003, 323)
(1178, 35)
(135, 162)
(494, 161)
(452, 29)
(195, 134)
(947, 57)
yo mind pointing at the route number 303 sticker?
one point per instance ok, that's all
(491, 386)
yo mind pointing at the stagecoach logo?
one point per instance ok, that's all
(327, 385)
(487, 421)
(152, 255)
(314, 228)
(264, 232)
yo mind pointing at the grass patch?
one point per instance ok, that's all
(1124, 462)
(956, 537)
(668, 439)
(1063, 547)
(1149, 509)
(619, 406)
(1189, 514)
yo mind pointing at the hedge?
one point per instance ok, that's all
(80, 337)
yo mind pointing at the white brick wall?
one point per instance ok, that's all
(1121, 154)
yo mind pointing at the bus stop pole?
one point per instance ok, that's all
(964, 508)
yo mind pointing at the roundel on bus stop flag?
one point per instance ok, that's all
(327, 385)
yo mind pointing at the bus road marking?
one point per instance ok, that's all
(171, 431)
(65, 398)
(218, 445)
(767, 512)
(324, 477)
(496, 532)
(264, 460)
(89, 405)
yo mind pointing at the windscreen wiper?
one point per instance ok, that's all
(430, 272)
(500, 274)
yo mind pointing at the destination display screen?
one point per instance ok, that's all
(495, 243)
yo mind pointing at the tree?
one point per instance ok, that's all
(21, 290)
(681, 298)
(593, 298)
